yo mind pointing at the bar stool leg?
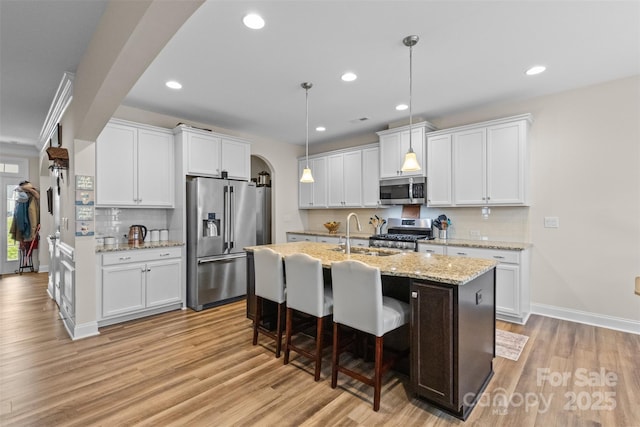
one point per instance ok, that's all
(288, 333)
(279, 330)
(319, 342)
(256, 319)
(377, 380)
(335, 355)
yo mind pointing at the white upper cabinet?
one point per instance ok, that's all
(507, 163)
(313, 195)
(203, 154)
(394, 144)
(470, 167)
(439, 189)
(371, 177)
(210, 154)
(345, 179)
(155, 168)
(236, 158)
(487, 164)
(134, 166)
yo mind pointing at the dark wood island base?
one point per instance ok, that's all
(452, 342)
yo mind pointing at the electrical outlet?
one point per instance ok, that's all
(474, 233)
(551, 222)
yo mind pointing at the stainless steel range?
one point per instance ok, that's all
(403, 233)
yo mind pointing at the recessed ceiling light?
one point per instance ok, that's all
(253, 21)
(401, 107)
(536, 69)
(321, 128)
(349, 76)
(173, 84)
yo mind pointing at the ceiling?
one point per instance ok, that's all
(470, 53)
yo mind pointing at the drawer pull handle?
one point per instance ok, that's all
(498, 257)
(167, 254)
(430, 251)
(124, 258)
(462, 253)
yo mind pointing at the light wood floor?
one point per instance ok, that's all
(186, 368)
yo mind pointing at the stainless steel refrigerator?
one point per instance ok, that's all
(221, 221)
(263, 216)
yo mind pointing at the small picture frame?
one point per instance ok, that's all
(84, 182)
(56, 137)
(85, 197)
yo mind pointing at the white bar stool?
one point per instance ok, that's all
(306, 293)
(269, 283)
(358, 303)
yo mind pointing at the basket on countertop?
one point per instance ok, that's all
(332, 227)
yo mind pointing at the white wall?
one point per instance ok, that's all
(585, 170)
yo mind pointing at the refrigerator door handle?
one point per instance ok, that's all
(219, 259)
(232, 217)
(225, 225)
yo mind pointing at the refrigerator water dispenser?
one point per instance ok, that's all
(211, 225)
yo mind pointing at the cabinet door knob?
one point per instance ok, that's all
(414, 294)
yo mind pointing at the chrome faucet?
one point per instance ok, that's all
(347, 247)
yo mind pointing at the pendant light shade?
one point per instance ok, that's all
(307, 177)
(410, 163)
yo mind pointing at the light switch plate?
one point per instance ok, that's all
(551, 222)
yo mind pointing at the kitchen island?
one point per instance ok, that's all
(452, 328)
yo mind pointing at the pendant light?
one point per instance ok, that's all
(410, 163)
(306, 173)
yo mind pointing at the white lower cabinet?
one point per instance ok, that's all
(431, 249)
(299, 237)
(512, 277)
(328, 239)
(138, 283)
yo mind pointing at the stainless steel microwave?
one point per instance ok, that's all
(403, 191)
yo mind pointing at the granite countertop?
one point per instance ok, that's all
(356, 235)
(438, 268)
(128, 247)
(483, 244)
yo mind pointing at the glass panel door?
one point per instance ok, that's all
(10, 247)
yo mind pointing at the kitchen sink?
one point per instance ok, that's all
(368, 251)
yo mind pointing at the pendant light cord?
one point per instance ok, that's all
(307, 123)
(410, 93)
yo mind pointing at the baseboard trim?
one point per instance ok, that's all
(78, 332)
(601, 320)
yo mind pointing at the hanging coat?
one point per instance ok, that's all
(25, 217)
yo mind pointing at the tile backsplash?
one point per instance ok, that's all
(116, 221)
(503, 223)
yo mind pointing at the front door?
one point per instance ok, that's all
(12, 171)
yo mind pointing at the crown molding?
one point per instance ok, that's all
(60, 102)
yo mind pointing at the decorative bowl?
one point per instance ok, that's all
(332, 227)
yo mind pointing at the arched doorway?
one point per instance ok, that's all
(264, 199)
